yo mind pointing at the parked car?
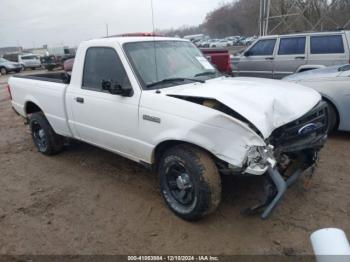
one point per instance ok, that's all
(334, 85)
(206, 43)
(178, 115)
(68, 65)
(279, 56)
(8, 66)
(214, 42)
(249, 40)
(224, 43)
(50, 62)
(25, 60)
(221, 58)
(29, 61)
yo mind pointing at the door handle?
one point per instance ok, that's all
(79, 100)
(269, 58)
(300, 57)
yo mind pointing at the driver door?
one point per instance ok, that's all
(258, 60)
(99, 117)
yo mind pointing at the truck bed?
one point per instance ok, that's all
(47, 91)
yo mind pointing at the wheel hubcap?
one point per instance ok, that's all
(39, 136)
(180, 184)
(183, 182)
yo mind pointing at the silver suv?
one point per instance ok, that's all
(279, 56)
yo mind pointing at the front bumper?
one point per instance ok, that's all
(14, 69)
(279, 182)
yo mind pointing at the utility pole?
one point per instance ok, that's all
(264, 17)
(107, 30)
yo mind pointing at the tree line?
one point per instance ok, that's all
(286, 16)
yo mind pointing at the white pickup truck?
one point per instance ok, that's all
(159, 102)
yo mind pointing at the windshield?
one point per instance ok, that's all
(157, 61)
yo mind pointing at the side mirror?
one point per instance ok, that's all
(66, 77)
(115, 88)
(247, 53)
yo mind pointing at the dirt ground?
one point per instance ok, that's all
(89, 201)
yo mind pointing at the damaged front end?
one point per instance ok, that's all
(293, 150)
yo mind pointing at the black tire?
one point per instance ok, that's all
(190, 182)
(44, 137)
(332, 118)
(3, 71)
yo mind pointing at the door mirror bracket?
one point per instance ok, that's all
(115, 88)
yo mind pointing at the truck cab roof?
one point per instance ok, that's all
(127, 39)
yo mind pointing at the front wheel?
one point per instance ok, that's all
(44, 137)
(190, 182)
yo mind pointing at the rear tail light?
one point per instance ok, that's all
(9, 90)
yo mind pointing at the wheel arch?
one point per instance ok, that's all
(304, 68)
(329, 101)
(167, 144)
(31, 107)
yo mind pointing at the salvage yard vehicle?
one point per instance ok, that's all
(333, 83)
(158, 101)
(280, 56)
(29, 61)
(220, 58)
(8, 67)
(25, 60)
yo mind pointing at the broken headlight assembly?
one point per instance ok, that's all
(259, 158)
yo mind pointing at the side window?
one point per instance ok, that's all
(292, 46)
(330, 44)
(263, 47)
(103, 63)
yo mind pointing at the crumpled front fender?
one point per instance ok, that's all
(225, 137)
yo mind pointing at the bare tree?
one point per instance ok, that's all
(287, 16)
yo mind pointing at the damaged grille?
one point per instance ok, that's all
(300, 132)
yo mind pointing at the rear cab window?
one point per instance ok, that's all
(292, 45)
(264, 47)
(327, 44)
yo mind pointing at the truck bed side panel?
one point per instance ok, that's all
(48, 96)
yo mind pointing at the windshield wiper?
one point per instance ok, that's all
(206, 73)
(177, 79)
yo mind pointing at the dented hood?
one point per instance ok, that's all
(267, 104)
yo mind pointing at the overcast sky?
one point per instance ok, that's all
(54, 22)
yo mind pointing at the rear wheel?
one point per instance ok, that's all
(190, 182)
(332, 118)
(3, 70)
(44, 137)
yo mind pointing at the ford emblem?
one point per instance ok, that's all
(307, 129)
